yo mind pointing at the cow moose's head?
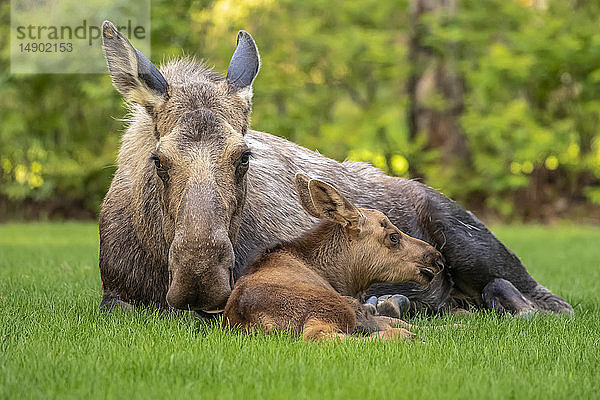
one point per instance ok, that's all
(191, 160)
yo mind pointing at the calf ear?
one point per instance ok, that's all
(301, 182)
(133, 75)
(244, 66)
(332, 205)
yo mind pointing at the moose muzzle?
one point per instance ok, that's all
(201, 255)
(200, 274)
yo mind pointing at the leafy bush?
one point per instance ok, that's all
(334, 78)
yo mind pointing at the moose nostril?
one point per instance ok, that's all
(231, 278)
(440, 264)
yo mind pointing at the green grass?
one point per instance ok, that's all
(54, 343)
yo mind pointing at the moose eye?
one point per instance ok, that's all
(395, 238)
(156, 162)
(160, 169)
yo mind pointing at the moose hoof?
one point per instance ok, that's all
(394, 306)
(388, 308)
(383, 297)
(372, 300)
(402, 301)
(371, 309)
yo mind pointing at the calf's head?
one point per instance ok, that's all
(191, 160)
(378, 251)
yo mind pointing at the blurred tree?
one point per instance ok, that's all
(54, 141)
(59, 134)
(517, 92)
(531, 102)
(435, 90)
(333, 75)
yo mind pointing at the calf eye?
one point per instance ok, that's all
(245, 159)
(243, 162)
(395, 238)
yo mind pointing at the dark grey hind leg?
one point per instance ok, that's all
(476, 258)
(545, 300)
(502, 296)
(110, 303)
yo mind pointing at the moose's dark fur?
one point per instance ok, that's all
(187, 210)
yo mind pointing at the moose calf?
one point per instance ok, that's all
(309, 285)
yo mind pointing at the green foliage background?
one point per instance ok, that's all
(334, 78)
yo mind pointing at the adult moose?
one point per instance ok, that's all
(197, 194)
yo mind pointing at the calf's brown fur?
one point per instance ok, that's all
(308, 285)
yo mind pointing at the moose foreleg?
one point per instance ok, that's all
(110, 303)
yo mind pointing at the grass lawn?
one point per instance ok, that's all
(54, 343)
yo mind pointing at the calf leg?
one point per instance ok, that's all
(502, 296)
(385, 322)
(365, 322)
(394, 333)
(377, 326)
(318, 329)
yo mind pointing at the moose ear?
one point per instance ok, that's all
(332, 205)
(301, 182)
(244, 65)
(133, 75)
